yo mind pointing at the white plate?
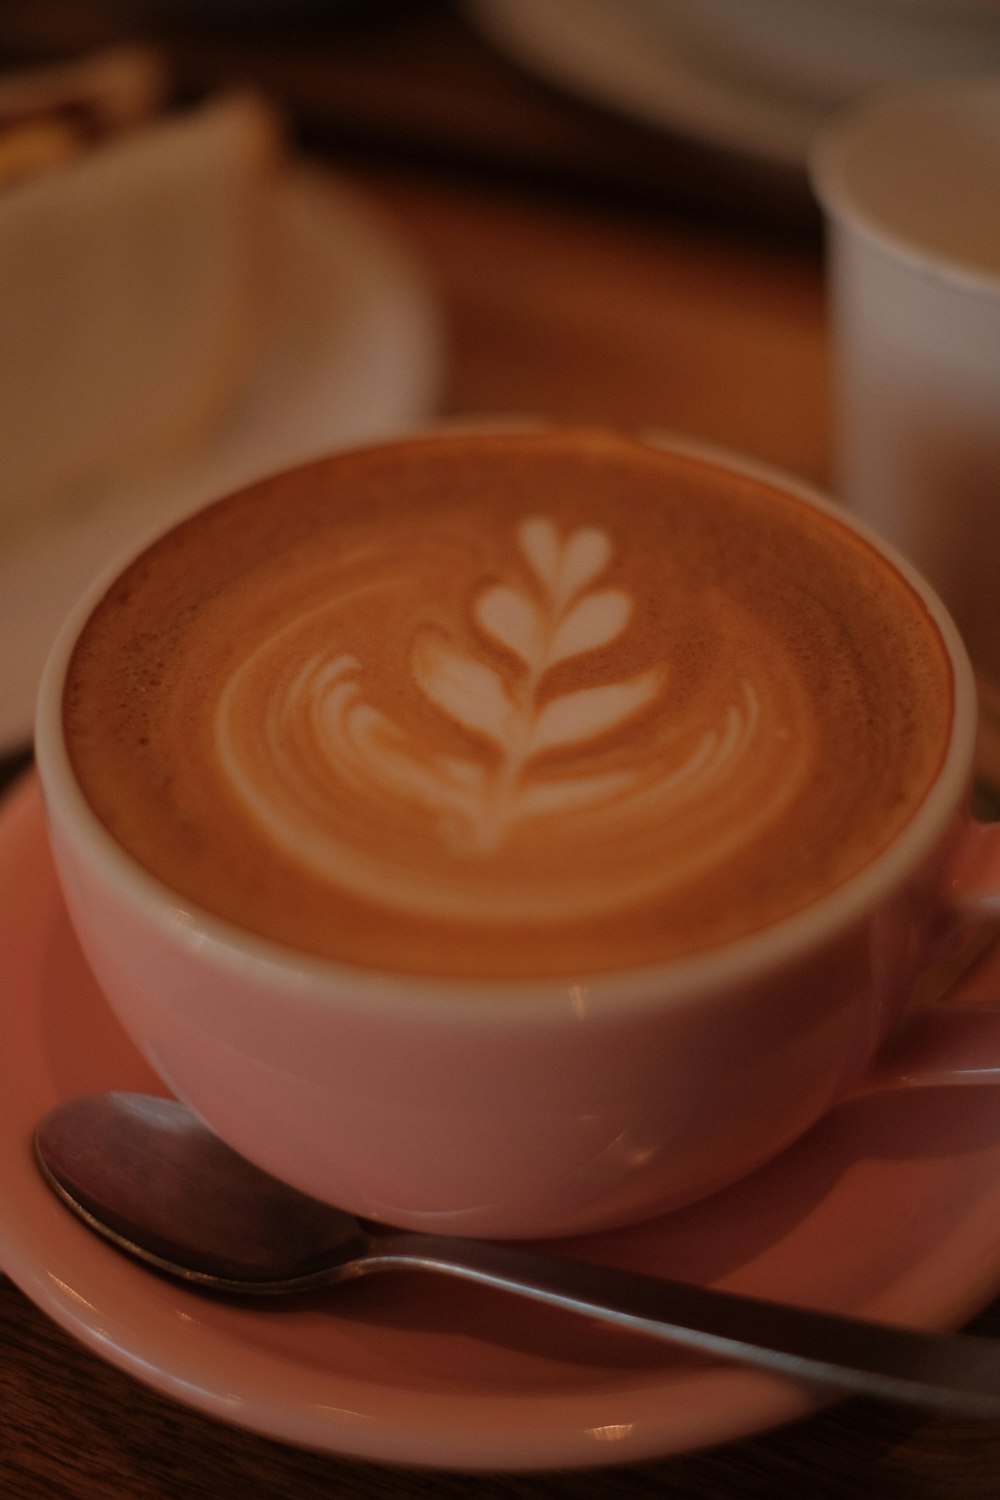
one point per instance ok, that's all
(889, 1209)
(357, 356)
(602, 50)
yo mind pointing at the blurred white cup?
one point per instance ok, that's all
(910, 185)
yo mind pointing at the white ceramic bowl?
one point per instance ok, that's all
(823, 52)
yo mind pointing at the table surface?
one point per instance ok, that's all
(589, 271)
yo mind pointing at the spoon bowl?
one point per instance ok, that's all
(146, 1174)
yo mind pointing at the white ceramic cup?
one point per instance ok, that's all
(910, 184)
(522, 1108)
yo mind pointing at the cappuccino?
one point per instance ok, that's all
(508, 705)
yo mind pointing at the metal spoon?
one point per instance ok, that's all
(146, 1174)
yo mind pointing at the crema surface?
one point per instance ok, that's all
(508, 705)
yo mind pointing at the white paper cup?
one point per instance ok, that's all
(910, 184)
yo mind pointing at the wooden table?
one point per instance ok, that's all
(587, 272)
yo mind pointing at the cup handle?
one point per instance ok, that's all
(947, 1043)
(972, 888)
(955, 1038)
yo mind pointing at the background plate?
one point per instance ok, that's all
(357, 355)
(890, 1208)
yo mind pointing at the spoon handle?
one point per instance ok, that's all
(957, 1371)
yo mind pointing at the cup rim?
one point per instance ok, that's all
(830, 175)
(313, 979)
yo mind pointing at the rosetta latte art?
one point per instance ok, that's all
(501, 788)
(508, 705)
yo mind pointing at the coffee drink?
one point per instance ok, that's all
(508, 705)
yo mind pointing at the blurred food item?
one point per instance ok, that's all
(51, 115)
(139, 287)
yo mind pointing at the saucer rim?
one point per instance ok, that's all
(58, 1264)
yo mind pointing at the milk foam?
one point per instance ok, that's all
(387, 809)
(490, 706)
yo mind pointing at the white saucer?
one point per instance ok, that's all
(357, 356)
(601, 50)
(889, 1209)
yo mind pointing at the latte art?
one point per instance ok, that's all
(483, 808)
(508, 705)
